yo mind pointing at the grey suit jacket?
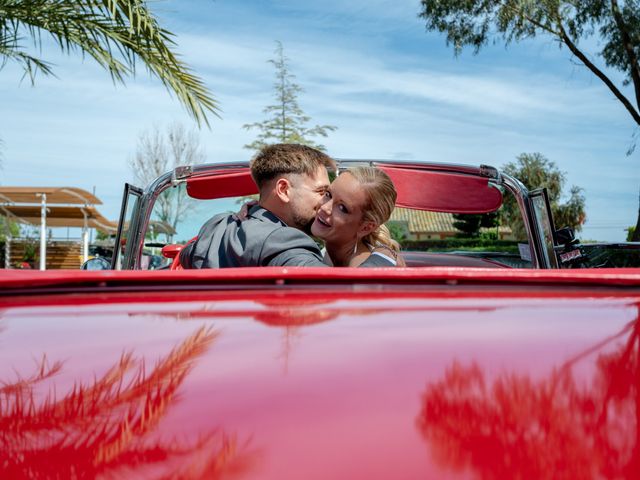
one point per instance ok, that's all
(262, 239)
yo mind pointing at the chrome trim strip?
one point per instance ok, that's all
(521, 193)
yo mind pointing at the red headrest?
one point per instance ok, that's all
(443, 191)
(418, 189)
(226, 184)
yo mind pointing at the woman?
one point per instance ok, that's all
(352, 216)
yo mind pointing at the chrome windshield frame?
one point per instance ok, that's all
(181, 174)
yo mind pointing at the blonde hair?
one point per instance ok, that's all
(380, 201)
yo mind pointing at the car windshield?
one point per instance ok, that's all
(428, 237)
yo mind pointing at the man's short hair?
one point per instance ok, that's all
(284, 158)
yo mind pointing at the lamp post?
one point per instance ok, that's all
(43, 232)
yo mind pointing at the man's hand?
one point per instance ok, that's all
(244, 210)
(390, 253)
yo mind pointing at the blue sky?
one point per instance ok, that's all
(369, 67)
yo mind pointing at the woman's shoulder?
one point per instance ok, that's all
(359, 258)
(386, 256)
(387, 252)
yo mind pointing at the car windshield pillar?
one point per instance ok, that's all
(521, 193)
(133, 252)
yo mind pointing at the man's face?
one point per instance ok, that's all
(307, 192)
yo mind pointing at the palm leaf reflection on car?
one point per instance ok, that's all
(106, 426)
(555, 427)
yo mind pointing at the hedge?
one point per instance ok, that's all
(461, 243)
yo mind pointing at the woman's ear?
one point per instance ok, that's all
(366, 228)
(283, 190)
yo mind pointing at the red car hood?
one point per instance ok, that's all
(456, 378)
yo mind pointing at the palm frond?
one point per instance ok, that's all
(109, 425)
(115, 33)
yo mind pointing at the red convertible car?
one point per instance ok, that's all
(315, 373)
(279, 373)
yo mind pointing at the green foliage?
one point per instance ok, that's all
(615, 26)
(101, 236)
(30, 249)
(468, 244)
(469, 224)
(397, 232)
(8, 227)
(286, 122)
(489, 236)
(536, 171)
(115, 33)
(630, 232)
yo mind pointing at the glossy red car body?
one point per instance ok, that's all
(278, 373)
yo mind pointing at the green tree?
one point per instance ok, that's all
(469, 225)
(100, 235)
(8, 228)
(115, 33)
(397, 232)
(286, 122)
(614, 24)
(536, 171)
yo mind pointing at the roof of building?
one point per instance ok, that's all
(59, 216)
(54, 195)
(423, 220)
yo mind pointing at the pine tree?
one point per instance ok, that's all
(286, 122)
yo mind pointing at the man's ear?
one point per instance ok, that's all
(366, 228)
(282, 190)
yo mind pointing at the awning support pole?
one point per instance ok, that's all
(85, 239)
(43, 232)
(7, 250)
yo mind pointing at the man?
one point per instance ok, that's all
(292, 180)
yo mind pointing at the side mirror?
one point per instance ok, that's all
(569, 253)
(96, 263)
(171, 251)
(565, 236)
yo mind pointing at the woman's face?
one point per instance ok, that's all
(339, 218)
